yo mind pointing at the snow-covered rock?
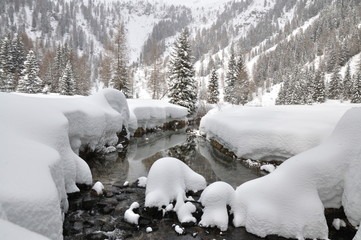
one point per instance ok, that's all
(290, 201)
(215, 199)
(40, 138)
(142, 182)
(10, 230)
(179, 229)
(268, 168)
(272, 133)
(130, 216)
(98, 188)
(338, 223)
(149, 230)
(148, 114)
(169, 179)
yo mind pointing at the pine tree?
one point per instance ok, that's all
(242, 82)
(347, 84)
(67, 84)
(319, 94)
(30, 82)
(356, 95)
(229, 95)
(213, 92)
(335, 85)
(182, 85)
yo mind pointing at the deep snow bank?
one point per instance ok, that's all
(39, 141)
(271, 133)
(148, 114)
(290, 201)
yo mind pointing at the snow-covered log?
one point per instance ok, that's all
(39, 139)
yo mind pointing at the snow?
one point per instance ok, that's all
(40, 140)
(268, 168)
(215, 199)
(10, 230)
(179, 229)
(358, 235)
(148, 230)
(142, 182)
(126, 184)
(272, 133)
(169, 179)
(98, 188)
(130, 216)
(290, 201)
(148, 114)
(338, 223)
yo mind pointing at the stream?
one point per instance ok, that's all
(101, 217)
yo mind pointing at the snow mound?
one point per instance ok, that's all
(169, 179)
(10, 230)
(268, 168)
(130, 216)
(271, 133)
(358, 235)
(290, 201)
(40, 139)
(98, 188)
(148, 114)
(215, 199)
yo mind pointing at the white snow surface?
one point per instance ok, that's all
(290, 201)
(142, 181)
(98, 188)
(274, 132)
(169, 179)
(12, 231)
(358, 235)
(215, 199)
(149, 113)
(130, 216)
(39, 141)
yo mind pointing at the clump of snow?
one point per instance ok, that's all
(338, 223)
(290, 201)
(148, 230)
(148, 114)
(169, 179)
(130, 216)
(251, 163)
(215, 199)
(271, 133)
(98, 188)
(268, 168)
(126, 184)
(40, 139)
(179, 229)
(142, 182)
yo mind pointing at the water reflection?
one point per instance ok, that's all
(196, 152)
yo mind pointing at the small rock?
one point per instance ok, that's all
(108, 194)
(107, 209)
(144, 222)
(96, 236)
(88, 202)
(108, 227)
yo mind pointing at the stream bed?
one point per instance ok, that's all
(102, 217)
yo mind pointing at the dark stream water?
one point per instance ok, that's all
(92, 217)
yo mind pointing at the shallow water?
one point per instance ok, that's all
(196, 152)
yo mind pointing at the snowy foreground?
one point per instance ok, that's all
(272, 133)
(148, 114)
(40, 139)
(288, 202)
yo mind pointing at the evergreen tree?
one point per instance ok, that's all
(182, 85)
(30, 82)
(241, 89)
(213, 92)
(335, 85)
(58, 69)
(229, 95)
(347, 84)
(67, 84)
(356, 95)
(319, 94)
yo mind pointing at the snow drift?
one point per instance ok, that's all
(290, 201)
(39, 144)
(271, 133)
(148, 114)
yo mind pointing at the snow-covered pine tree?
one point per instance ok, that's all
(120, 78)
(242, 82)
(335, 85)
(347, 84)
(67, 84)
(319, 94)
(30, 82)
(182, 85)
(213, 92)
(58, 69)
(356, 95)
(19, 55)
(229, 95)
